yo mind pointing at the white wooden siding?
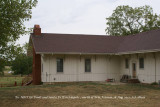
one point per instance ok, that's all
(102, 68)
(146, 75)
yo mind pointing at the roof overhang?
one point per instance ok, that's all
(75, 53)
(120, 53)
(140, 51)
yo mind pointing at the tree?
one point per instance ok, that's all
(22, 64)
(13, 14)
(2, 64)
(126, 20)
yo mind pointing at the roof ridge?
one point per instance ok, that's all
(76, 34)
(149, 31)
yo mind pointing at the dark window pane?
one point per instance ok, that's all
(59, 65)
(87, 65)
(141, 62)
(126, 63)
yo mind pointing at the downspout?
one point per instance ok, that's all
(155, 66)
(49, 69)
(130, 65)
(78, 63)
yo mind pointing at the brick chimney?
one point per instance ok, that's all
(37, 30)
(36, 69)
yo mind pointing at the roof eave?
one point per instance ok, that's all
(119, 53)
(75, 53)
(140, 51)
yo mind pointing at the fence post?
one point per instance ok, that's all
(15, 84)
(22, 83)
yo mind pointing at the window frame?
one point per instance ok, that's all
(141, 63)
(60, 65)
(85, 66)
(126, 63)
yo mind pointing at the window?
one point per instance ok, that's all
(126, 63)
(141, 63)
(87, 65)
(59, 65)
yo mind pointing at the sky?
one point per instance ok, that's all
(78, 16)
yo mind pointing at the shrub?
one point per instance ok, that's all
(154, 83)
(22, 64)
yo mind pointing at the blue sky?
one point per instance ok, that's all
(78, 16)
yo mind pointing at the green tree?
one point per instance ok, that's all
(2, 64)
(9, 54)
(126, 20)
(22, 64)
(13, 14)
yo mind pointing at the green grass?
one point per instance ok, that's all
(9, 81)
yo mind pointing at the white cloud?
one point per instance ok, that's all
(78, 16)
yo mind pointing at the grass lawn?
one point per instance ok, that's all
(9, 81)
(81, 95)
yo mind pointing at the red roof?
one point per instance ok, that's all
(96, 44)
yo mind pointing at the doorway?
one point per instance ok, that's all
(134, 70)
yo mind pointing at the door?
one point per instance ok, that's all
(133, 70)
